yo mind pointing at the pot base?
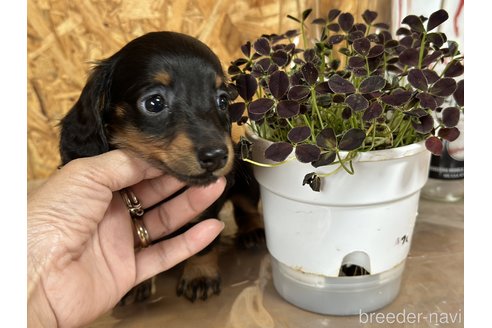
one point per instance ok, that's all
(337, 295)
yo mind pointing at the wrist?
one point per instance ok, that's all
(39, 311)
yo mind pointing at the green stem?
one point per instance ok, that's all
(403, 74)
(353, 121)
(341, 161)
(373, 135)
(315, 106)
(422, 48)
(396, 120)
(307, 121)
(331, 173)
(303, 32)
(372, 129)
(311, 127)
(267, 165)
(323, 65)
(385, 64)
(401, 133)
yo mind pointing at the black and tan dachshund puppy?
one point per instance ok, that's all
(164, 98)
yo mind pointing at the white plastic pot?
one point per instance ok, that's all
(366, 219)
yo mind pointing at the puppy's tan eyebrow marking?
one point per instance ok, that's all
(218, 81)
(119, 112)
(163, 77)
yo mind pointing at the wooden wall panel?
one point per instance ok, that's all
(64, 37)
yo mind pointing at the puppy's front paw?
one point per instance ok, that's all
(199, 288)
(139, 293)
(200, 278)
(252, 239)
(144, 290)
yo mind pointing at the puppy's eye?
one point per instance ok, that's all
(223, 102)
(154, 103)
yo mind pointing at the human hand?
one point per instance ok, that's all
(81, 257)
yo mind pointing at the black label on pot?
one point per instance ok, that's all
(450, 165)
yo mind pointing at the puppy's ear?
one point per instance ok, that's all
(82, 129)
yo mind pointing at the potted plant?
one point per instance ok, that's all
(338, 130)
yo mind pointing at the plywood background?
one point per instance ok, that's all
(64, 37)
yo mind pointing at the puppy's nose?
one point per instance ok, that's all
(212, 158)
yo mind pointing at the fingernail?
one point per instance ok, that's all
(219, 181)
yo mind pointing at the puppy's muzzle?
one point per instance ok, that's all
(213, 158)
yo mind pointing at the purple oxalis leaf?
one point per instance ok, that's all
(340, 85)
(306, 153)
(434, 145)
(278, 151)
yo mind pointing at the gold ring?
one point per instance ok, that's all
(131, 201)
(142, 232)
(136, 212)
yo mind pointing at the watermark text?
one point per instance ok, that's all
(406, 317)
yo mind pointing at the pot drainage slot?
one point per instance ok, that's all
(355, 264)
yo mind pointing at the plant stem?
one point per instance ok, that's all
(385, 64)
(401, 133)
(422, 48)
(267, 165)
(303, 32)
(311, 127)
(331, 173)
(396, 120)
(316, 109)
(341, 161)
(372, 129)
(290, 124)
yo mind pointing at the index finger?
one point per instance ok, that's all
(115, 169)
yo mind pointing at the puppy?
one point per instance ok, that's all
(164, 98)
